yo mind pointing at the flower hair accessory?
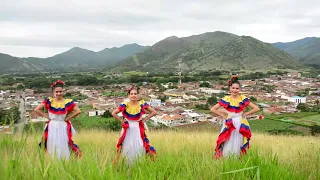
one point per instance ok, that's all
(131, 88)
(233, 79)
(58, 82)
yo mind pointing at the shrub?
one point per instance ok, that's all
(314, 130)
(284, 132)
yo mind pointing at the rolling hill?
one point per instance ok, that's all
(211, 50)
(305, 50)
(73, 59)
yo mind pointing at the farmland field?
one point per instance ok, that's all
(309, 118)
(180, 155)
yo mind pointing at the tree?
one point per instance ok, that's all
(87, 80)
(303, 107)
(212, 100)
(2, 115)
(202, 106)
(68, 94)
(20, 87)
(113, 124)
(253, 99)
(139, 84)
(205, 84)
(315, 129)
(317, 102)
(107, 114)
(221, 95)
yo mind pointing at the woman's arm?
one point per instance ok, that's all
(39, 110)
(254, 109)
(115, 115)
(76, 113)
(215, 110)
(152, 113)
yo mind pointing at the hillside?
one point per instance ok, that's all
(73, 59)
(306, 50)
(14, 64)
(213, 50)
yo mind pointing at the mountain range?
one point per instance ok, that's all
(305, 50)
(73, 59)
(211, 50)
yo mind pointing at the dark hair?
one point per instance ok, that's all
(134, 87)
(233, 80)
(58, 83)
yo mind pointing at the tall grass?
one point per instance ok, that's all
(180, 155)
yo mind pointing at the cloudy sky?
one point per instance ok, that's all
(43, 28)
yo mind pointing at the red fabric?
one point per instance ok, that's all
(223, 137)
(73, 146)
(125, 127)
(145, 141)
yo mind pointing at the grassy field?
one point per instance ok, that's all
(180, 155)
(305, 118)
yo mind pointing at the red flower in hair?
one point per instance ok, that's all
(233, 79)
(131, 88)
(58, 82)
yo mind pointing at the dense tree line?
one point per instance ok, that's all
(98, 78)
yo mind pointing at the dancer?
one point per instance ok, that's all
(133, 141)
(58, 131)
(235, 134)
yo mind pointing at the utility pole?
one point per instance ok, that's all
(179, 72)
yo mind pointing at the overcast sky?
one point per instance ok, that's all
(43, 28)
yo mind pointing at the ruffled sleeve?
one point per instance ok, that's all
(144, 106)
(70, 105)
(245, 101)
(46, 103)
(122, 106)
(224, 102)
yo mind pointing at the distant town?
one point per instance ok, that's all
(183, 103)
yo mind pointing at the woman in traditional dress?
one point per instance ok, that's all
(58, 131)
(133, 141)
(235, 133)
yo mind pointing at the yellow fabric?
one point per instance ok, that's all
(134, 109)
(234, 102)
(245, 122)
(61, 104)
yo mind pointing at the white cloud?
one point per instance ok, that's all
(44, 28)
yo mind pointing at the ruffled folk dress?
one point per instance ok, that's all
(133, 141)
(58, 132)
(235, 133)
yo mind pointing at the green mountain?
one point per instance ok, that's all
(14, 64)
(212, 50)
(306, 50)
(71, 60)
